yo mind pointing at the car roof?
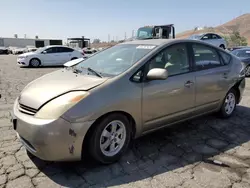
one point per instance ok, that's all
(150, 41)
(57, 46)
(159, 42)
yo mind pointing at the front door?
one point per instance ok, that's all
(210, 77)
(167, 101)
(50, 56)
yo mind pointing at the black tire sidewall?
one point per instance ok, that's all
(222, 46)
(31, 65)
(94, 144)
(248, 67)
(223, 111)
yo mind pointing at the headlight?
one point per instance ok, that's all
(55, 108)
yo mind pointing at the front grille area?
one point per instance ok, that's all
(26, 109)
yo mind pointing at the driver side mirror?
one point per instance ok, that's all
(44, 52)
(157, 74)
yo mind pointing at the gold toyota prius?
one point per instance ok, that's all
(98, 105)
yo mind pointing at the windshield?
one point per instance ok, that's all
(245, 53)
(145, 32)
(195, 37)
(115, 60)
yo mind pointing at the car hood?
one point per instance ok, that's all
(54, 84)
(26, 54)
(245, 59)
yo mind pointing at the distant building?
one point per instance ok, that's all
(23, 42)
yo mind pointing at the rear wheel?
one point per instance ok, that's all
(34, 62)
(229, 104)
(222, 46)
(110, 138)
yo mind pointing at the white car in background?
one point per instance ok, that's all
(211, 38)
(30, 49)
(18, 51)
(48, 56)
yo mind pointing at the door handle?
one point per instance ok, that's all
(225, 75)
(188, 84)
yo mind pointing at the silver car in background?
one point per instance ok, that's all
(211, 38)
(99, 104)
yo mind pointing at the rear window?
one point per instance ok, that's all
(226, 58)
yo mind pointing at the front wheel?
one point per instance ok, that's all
(247, 71)
(110, 139)
(229, 104)
(34, 62)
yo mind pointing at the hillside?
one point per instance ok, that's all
(241, 24)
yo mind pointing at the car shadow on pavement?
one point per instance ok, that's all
(43, 67)
(172, 155)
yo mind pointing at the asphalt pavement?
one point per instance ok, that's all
(203, 153)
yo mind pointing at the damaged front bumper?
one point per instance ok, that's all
(50, 140)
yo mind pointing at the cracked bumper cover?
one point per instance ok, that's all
(50, 140)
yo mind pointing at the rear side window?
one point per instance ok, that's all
(64, 49)
(226, 58)
(205, 57)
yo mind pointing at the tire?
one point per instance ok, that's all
(247, 71)
(229, 104)
(35, 62)
(100, 145)
(222, 46)
(73, 58)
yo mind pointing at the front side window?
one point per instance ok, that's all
(205, 57)
(51, 50)
(173, 58)
(115, 60)
(206, 37)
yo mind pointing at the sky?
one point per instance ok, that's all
(61, 19)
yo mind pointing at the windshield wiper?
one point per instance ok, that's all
(93, 71)
(77, 71)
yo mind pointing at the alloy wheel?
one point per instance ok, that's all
(113, 138)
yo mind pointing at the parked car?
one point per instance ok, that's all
(17, 51)
(30, 49)
(11, 49)
(238, 47)
(88, 53)
(244, 55)
(99, 104)
(211, 38)
(4, 50)
(48, 56)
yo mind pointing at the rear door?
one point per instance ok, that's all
(211, 76)
(65, 54)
